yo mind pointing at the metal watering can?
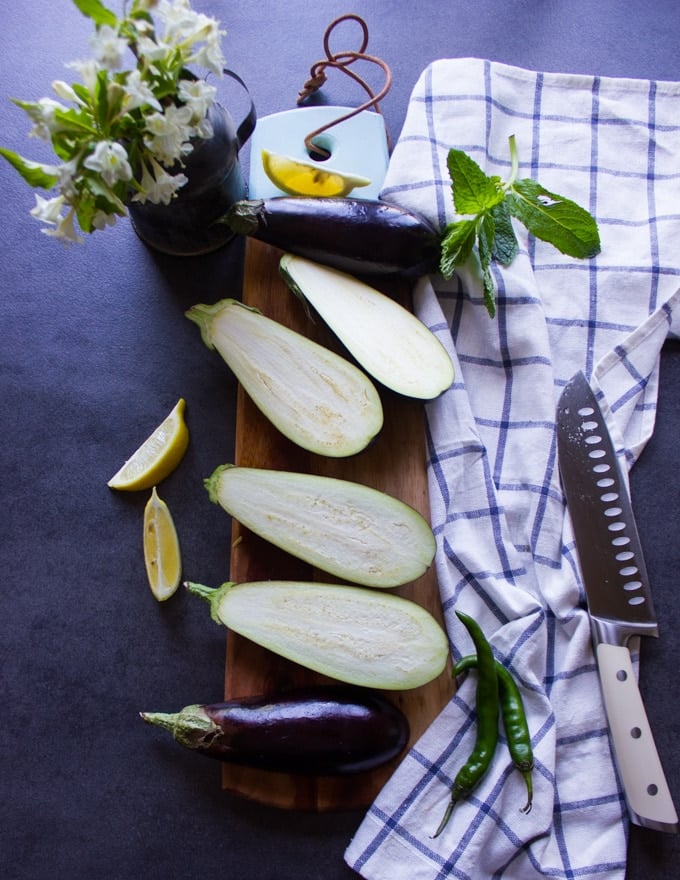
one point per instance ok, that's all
(187, 227)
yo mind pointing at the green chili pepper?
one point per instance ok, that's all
(476, 766)
(514, 721)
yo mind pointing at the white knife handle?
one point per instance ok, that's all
(649, 799)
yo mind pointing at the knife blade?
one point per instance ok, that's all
(617, 591)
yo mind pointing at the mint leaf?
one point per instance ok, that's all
(96, 10)
(505, 247)
(34, 174)
(473, 191)
(485, 239)
(553, 218)
(488, 204)
(456, 245)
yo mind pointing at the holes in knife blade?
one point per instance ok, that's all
(621, 675)
(630, 586)
(596, 453)
(613, 511)
(616, 526)
(604, 483)
(624, 556)
(637, 600)
(588, 426)
(601, 468)
(620, 541)
(635, 732)
(652, 789)
(629, 570)
(609, 496)
(585, 411)
(591, 439)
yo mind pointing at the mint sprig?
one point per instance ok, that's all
(486, 206)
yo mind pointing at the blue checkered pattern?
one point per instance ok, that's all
(505, 551)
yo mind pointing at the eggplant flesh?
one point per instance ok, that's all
(361, 236)
(328, 730)
(344, 528)
(356, 635)
(314, 397)
(386, 339)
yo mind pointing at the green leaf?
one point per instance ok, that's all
(456, 245)
(486, 237)
(555, 219)
(33, 173)
(489, 292)
(473, 191)
(76, 122)
(96, 10)
(505, 247)
(82, 92)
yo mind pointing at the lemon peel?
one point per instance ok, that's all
(162, 556)
(158, 455)
(298, 178)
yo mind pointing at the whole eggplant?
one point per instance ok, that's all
(327, 730)
(359, 236)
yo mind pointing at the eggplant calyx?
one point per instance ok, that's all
(243, 217)
(203, 314)
(213, 596)
(212, 483)
(191, 727)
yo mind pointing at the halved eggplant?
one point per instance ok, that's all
(328, 730)
(344, 528)
(313, 396)
(387, 340)
(353, 634)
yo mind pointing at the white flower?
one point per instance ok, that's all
(178, 17)
(159, 187)
(65, 230)
(48, 210)
(169, 134)
(42, 113)
(101, 220)
(210, 56)
(65, 91)
(204, 129)
(153, 50)
(67, 173)
(197, 95)
(186, 28)
(138, 93)
(111, 161)
(108, 48)
(88, 71)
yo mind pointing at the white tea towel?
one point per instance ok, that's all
(505, 552)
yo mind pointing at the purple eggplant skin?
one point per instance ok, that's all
(325, 730)
(358, 236)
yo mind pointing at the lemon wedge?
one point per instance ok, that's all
(162, 555)
(297, 178)
(158, 455)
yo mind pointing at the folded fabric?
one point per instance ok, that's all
(505, 551)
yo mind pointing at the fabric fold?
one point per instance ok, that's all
(505, 553)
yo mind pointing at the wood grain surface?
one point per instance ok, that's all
(394, 463)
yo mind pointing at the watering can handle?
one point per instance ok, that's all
(247, 125)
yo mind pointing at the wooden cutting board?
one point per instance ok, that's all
(394, 463)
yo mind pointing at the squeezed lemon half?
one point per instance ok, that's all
(162, 555)
(158, 455)
(297, 178)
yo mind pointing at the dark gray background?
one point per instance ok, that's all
(95, 350)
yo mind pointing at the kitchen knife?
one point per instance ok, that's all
(617, 591)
